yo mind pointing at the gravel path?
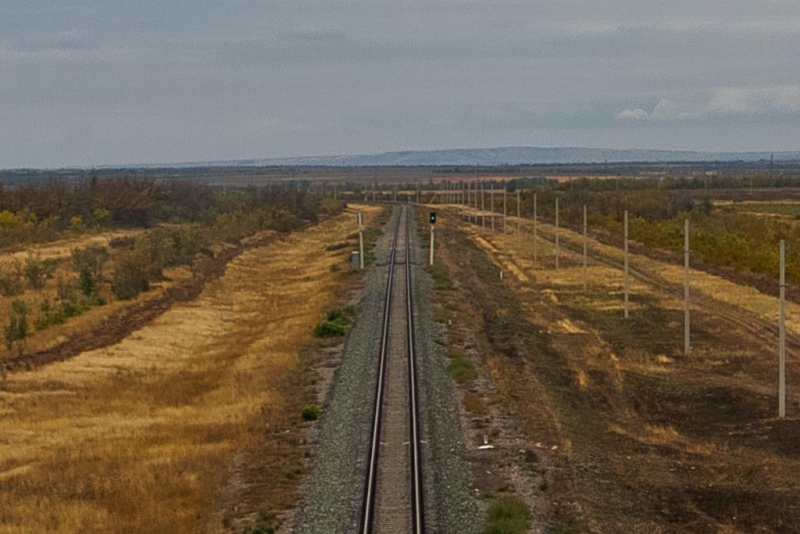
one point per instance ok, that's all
(333, 491)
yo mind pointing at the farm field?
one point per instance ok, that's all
(192, 422)
(615, 429)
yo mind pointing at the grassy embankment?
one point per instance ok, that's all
(190, 424)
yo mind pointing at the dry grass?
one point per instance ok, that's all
(693, 432)
(142, 436)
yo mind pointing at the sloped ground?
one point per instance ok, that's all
(189, 424)
(618, 430)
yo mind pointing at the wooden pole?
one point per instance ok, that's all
(782, 338)
(686, 323)
(626, 264)
(518, 213)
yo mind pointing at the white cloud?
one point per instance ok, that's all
(752, 100)
(632, 114)
(666, 109)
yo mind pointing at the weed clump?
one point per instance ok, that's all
(507, 515)
(328, 329)
(461, 369)
(310, 412)
(441, 277)
(266, 523)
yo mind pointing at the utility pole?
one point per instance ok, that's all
(782, 338)
(518, 213)
(505, 210)
(491, 199)
(483, 207)
(360, 240)
(686, 324)
(556, 232)
(585, 247)
(535, 234)
(626, 264)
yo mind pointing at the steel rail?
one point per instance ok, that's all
(370, 489)
(417, 503)
(367, 514)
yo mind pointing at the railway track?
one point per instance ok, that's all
(393, 491)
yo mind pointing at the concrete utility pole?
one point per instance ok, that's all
(556, 232)
(505, 210)
(535, 233)
(360, 240)
(626, 264)
(483, 207)
(782, 338)
(432, 234)
(585, 247)
(416, 183)
(686, 327)
(491, 199)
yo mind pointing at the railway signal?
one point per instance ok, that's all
(432, 217)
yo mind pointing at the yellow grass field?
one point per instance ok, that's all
(153, 434)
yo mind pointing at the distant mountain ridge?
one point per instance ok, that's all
(514, 156)
(489, 157)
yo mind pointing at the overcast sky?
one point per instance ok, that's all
(92, 82)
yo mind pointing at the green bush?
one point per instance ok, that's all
(341, 316)
(507, 515)
(461, 369)
(131, 274)
(329, 329)
(17, 327)
(310, 412)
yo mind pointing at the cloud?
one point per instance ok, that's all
(632, 114)
(666, 109)
(753, 100)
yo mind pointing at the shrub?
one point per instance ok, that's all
(87, 283)
(328, 329)
(507, 515)
(310, 412)
(17, 327)
(11, 281)
(39, 271)
(341, 316)
(130, 274)
(91, 259)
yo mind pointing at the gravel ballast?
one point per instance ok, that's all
(333, 490)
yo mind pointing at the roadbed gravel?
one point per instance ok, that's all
(332, 492)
